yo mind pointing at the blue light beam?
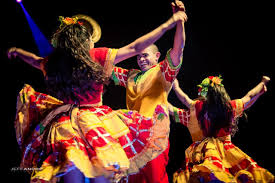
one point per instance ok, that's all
(44, 47)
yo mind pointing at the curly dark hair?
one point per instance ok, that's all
(218, 110)
(69, 68)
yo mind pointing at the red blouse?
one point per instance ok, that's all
(105, 57)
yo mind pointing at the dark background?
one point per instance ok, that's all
(232, 38)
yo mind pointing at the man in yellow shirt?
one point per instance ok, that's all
(148, 87)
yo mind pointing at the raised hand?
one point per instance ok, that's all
(265, 80)
(177, 6)
(11, 53)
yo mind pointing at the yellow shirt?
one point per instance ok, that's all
(146, 90)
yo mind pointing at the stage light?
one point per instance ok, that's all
(19, 1)
(44, 46)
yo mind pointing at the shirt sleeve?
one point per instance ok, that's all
(238, 107)
(105, 57)
(120, 76)
(169, 71)
(181, 115)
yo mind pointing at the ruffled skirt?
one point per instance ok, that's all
(56, 138)
(218, 160)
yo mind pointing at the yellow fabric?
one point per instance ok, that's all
(193, 125)
(151, 90)
(114, 126)
(110, 122)
(65, 130)
(144, 94)
(201, 156)
(23, 120)
(110, 58)
(238, 111)
(89, 167)
(68, 144)
(111, 153)
(46, 172)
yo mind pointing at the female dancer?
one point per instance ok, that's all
(70, 129)
(211, 120)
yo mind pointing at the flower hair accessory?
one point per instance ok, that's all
(63, 23)
(209, 81)
(82, 20)
(68, 21)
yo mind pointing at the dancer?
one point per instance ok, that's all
(69, 129)
(211, 120)
(148, 87)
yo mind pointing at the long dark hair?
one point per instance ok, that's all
(218, 111)
(69, 68)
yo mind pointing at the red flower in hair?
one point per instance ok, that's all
(80, 23)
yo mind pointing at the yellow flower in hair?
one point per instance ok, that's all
(209, 81)
(67, 20)
(216, 80)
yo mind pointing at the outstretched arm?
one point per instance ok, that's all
(181, 95)
(28, 57)
(180, 37)
(143, 42)
(255, 93)
(179, 115)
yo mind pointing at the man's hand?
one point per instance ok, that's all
(177, 6)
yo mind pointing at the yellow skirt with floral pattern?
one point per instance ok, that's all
(218, 160)
(55, 137)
